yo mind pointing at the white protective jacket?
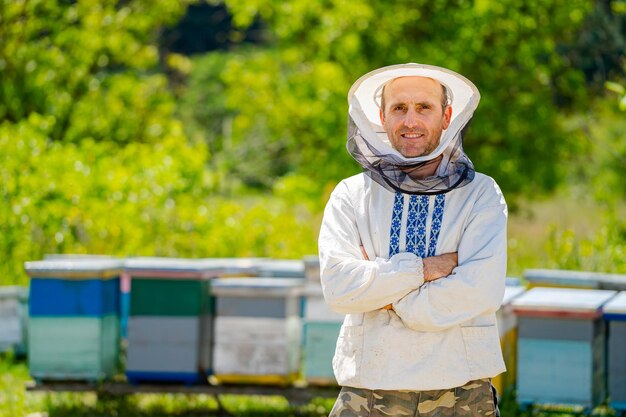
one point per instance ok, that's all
(440, 334)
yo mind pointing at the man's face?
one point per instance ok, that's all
(413, 116)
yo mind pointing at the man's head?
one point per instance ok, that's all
(414, 112)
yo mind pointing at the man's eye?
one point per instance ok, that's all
(398, 108)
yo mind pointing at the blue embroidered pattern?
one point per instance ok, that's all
(396, 224)
(435, 227)
(416, 224)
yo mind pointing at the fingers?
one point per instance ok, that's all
(364, 253)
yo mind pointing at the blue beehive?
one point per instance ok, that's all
(74, 325)
(615, 315)
(561, 346)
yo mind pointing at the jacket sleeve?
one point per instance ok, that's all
(351, 283)
(476, 285)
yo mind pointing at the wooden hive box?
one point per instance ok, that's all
(13, 319)
(320, 332)
(257, 330)
(170, 320)
(561, 346)
(73, 330)
(507, 327)
(615, 315)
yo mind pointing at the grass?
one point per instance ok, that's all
(15, 401)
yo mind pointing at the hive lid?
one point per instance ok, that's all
(73, 268)
(236, 266)
(282, 268)
(155, 267)
(616, 306)
(257, 286)
(582, 303)
(510, 292)
(562, 278)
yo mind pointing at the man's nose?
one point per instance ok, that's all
(410, 119)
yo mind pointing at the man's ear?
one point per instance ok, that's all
(447, 116)
(382, 117)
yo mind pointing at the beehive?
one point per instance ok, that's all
(615, 315)
(170, 320)
(257, 330)
(561, 346)
(74, 326)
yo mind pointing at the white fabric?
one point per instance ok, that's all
(442, 333)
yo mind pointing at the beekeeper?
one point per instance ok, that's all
(413, 251)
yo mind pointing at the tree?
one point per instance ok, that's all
(288, 98)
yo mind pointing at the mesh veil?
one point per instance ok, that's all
(368, 143)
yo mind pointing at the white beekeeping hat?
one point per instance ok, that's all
(369, 145)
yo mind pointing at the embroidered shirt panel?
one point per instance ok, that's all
(417, 215)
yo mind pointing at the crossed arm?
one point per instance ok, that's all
(435, 267)
(428, 294)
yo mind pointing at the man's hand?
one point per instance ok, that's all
(439, 266)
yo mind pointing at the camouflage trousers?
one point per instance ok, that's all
(476, 398)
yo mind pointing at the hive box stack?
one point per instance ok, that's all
(561, 346)
(257, 330)
(13, 319)
(507, 327)
(561, 278)
(74, 324)
(615, 315)
(170, 321)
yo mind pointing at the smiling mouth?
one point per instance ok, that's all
(411, 135)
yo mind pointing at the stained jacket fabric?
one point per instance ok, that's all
(440, 334)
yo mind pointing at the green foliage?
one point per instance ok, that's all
(142, 199)
(603, 252)
(290, 96)
(92, 159)
(86, 66)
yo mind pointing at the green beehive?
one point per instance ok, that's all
(170, 320)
